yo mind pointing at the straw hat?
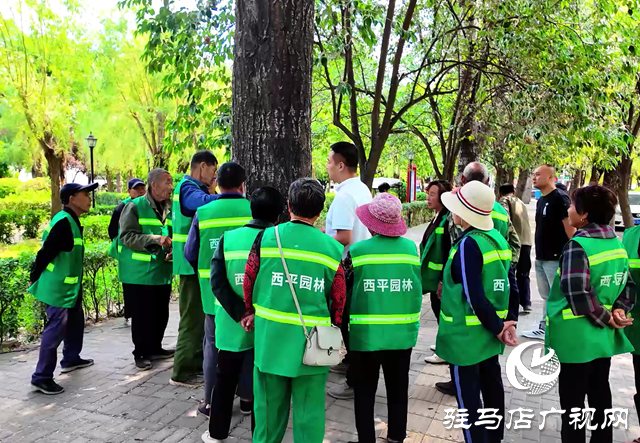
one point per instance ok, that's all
(383, 215)
(473, 203)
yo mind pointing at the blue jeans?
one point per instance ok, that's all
(546, 271)
(63, 324)
(210, 364)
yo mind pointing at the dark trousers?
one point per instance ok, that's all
(471, 381)
(127, 303)
(210, 361)
(149, 317)
(580, 380)
(395, 367)
(435, 305)
(63, 324)
(522, 275)
(636, 371)
(344, 327)
(235, 371)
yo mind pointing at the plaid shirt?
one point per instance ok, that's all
(575, 283)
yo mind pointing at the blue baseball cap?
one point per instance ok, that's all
(134, 182)
(71, 189)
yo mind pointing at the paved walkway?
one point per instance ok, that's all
(112, 402)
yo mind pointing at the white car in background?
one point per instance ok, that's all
(634, 205)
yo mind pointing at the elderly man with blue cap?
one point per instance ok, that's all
(56, 279)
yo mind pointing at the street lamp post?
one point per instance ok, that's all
(91, 143)
(411, 184)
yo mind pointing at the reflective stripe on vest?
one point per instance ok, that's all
(499, 216)
(50, 267)
(634, 263)
(295, 254)
(119, 249)
(180, 238)
(291, 319)
(472, 320)
(77, 242)
(606, 256)
(436, 266)
(168, 222)
(490, 257)
(140, 257)
(439, 230)
(567, 314)
(224, 222)
(384, 319)
(71, 280)
(149, 222)
(386, 259)
(204, 273)
(176, 197)
(236, 255)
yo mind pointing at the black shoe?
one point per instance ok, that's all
(162, 354)
(143, 364)
(82, 363)
(446, 387)
(204, 410)
(246, 407)
(48, 387)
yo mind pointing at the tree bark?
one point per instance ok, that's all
(596, 173)
(109, 177)
(55, 169)
(119, 182)
(36, 167)
(621, 185)
(576, 182)
(521, 186)
(502, 177)
(271, 127)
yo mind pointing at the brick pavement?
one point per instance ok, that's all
(112, 402)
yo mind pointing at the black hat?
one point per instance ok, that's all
(134, 182)
(71, 189)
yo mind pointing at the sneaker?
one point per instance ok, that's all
(339, 369)
(162, 354)
(195, 382)
(446, 387)
(208, 439)
(127, 322)
(434, 360)
(82, 363)
(526, 310)
(246, 406)
(342, 392)
(48, 387)
(204, 410)
(143, 364)
(433, 348)
(536, 334)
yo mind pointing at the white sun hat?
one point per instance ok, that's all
(473, 203)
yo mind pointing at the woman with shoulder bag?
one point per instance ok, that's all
(294, 292)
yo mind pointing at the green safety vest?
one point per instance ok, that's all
(60, 283)
(500, 219)
(116, 247)
(313, 259)
(181, 226)
(385, 312)
(214, 219)
(462, 340)
(630, 241)
(230, 336)
(431, 259)
(573, 337)
(142, 268)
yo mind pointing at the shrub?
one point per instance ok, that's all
(8, 186)
(15, 281)
(416, 213)
(26, 201)
(96, 228)
(421, 197)
(102, 291)
(27, 220)
(110, 198)
(401, 190)
(36, 184)
(100, 210)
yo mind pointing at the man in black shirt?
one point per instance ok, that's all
(136, 188)
(553, 231)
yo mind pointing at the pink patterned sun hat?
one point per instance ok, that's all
(383, 215)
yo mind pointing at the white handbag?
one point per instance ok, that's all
(325, 346)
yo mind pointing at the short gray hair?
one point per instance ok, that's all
(155, 175)
(476, 171)
(306, 197)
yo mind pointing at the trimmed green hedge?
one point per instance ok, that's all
(8, 186)
(110, 198)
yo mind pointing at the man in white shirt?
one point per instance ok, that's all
(345, 227)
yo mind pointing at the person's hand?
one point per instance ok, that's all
(165, 241)
(323, 230)
(247, 322)
(169, 256)
(508, 334)
(439, 291)
(619, 319)
(212, 186)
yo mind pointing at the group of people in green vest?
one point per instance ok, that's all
(265, 291)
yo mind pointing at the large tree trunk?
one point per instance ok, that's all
(576, 182)
(271, 127)
(119, 182)
(596, 173)
(622, 185)
(109, 177)
(522, 182)
(55, 169)
(36, 167)
(502, 177)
